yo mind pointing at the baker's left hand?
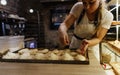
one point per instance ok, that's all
(83, 47)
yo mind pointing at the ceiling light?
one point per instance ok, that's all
(3, 2)
(31, 10)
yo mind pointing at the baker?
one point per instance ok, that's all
(91, 22)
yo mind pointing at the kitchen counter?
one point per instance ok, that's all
(94, 68)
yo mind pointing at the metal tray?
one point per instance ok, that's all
(47, 61)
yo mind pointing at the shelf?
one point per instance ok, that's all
(114, 50)
(115, 23)
(116, 67)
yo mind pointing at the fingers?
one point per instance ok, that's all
(81, 52)
(83, 47)
(67, 40)
(64, 39)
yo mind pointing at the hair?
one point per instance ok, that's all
(102, 7)
(98, 17)
(103, 3)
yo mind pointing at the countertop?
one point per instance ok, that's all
(94, 68)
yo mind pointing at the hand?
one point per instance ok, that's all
(83, 47)
(64, 39)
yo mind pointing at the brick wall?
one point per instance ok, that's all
(51, 35)
(45, 36)
(11, 7)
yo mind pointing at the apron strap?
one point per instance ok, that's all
(78, 37)
(81, 15)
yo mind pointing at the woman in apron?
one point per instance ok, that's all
(92, 21)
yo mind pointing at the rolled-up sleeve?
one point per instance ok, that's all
(107, 20)
(76, 9)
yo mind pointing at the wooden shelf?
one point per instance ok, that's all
(113, 45)
(116, 67)
(116, 23)
(112, 48)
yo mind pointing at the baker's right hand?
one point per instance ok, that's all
(64, 39)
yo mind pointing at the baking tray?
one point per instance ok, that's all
(45, 61)
(86, 62)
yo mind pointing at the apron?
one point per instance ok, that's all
(75, 43)
(86, 31)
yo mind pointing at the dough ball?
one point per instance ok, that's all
(44, 51)
(26, 50)
(61, 52)
(73, 53)
(53, 56)
(40, 56)
(56, 51)
(80, 57)
(26, 56)
(67, 50)
(67, 56)
(33, 51)
(11, 55)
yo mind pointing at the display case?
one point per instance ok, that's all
(110, 52)
(113, 33)
(110, 48)
(11, 24)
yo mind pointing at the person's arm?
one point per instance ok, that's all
(106, 22)
(99, 36)
(69, 20)
(101, 32)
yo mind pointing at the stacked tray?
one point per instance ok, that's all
(115, 45)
